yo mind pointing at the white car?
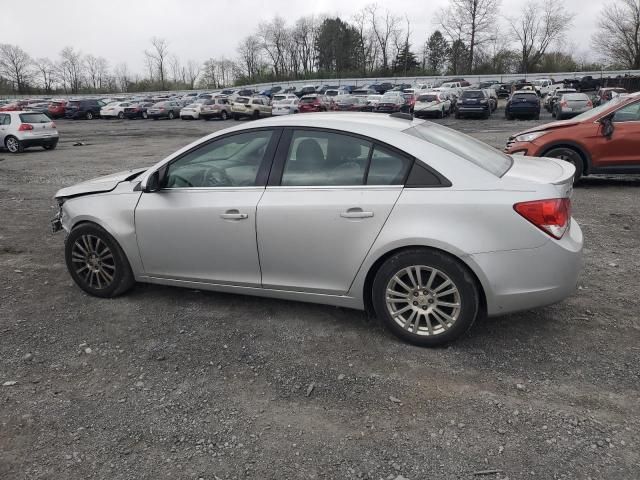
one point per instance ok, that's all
(372, 101)
(192, 111)
(432, 104)
(285, 106)
(114, 110)
(23, 129)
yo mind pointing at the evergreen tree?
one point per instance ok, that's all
(406, 61)
(437, 53)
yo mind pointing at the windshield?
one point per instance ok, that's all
(428, 98)
(594, 112)
(331, 93)
(475, 151)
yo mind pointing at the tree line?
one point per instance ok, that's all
(471, 37)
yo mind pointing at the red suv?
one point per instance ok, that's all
(605, 139)
(57, 108)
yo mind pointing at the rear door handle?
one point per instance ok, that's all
(356, 213)
(234, 215)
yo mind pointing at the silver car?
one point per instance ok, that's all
(572, 104)
(24, 129)
(422, 225)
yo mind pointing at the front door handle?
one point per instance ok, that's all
(356, 213)
(234, 215)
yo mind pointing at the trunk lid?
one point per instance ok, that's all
(542, 170)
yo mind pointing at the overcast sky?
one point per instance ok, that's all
(119, 30)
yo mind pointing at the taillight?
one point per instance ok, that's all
(24, 127)
(552, 216)
(53, 125)
(564, 103)
(590, 104)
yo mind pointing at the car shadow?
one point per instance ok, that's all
(598, 181)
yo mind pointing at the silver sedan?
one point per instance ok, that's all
(423, 226)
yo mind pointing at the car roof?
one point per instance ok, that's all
(339, 121)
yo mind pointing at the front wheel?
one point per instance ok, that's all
(121, 116)
(89, 115)
(568, 155)
(96, 262)
(223, 115)
(171, 116)
(425, 297)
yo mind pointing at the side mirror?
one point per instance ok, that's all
(153, 183)
(607, 125)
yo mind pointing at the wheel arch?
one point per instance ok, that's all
(373, 269)
(575, 146)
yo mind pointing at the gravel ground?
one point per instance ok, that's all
(181, 384)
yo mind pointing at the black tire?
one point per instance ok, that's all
(51, 146)
(13, 144)
(171, 115)
(206, 119)
(568, 155)
(508, 116)
(487, 115)
(468, 296)
(121, 116)
(83, 238)
(155, 118)
(223, 115)
(89, 115)
(536, 116)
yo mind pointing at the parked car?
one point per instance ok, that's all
(86, 108)
(493, 98)
(219, 107)
(583, 84)
(312, 103)
(371, 102)
(605, 139)
(523, 103)
(503, 90)
(391, 102)
(252, 107)
(138, 110)
(572, 104)
(489, 84)
(25, 129)
(432, 104)
(473, 103)
(192, 111)
(285, 105)
(169, 109)
(350, 103)
(551, 99)
(40, 107)
(306, 90)
(15, 106)
(542, 85)
(114, 110)
(426, 272)
(56, 108)
(606, 94)
(364, 92)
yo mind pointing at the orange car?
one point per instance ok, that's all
(605, 139)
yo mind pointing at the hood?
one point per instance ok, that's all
(548, 126)
(99, 184)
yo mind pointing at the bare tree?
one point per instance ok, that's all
(71, 68)
(159, 55)
(249, 51)
(304, 35)
(46, 73)
(15, 66)
(192, 71)
(384, 28)
(96, 68)
(618, 35)
(273, 38)
(122, 77)
(539, 26)
(471, 21)
(367, 45)
(176, 68)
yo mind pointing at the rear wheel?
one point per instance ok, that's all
(89, 115)
(568, 155)
(13, 145)
(171, 115)
(236, 117)
(425, 297)
(96, 262)
(145, 115)
(121, 115)
(223, 115)
(508, 116)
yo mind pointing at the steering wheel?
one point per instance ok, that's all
(175, 177)
(216, 177)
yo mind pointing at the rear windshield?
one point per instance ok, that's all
(575, 96)
(475, 151)
(472, 94)
(74, 103)
(161, 104)
(427, 98)
(532, 97)
(34, 118)
(308, 100)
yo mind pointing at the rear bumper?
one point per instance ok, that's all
(518, 280)
(39, 142)
(523, 111)
(217, 114)
(464, 110)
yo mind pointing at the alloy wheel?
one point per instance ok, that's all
(423, 300)
(12, 144)
(93, 261)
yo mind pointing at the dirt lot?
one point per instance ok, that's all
(182, 384)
